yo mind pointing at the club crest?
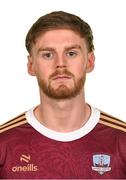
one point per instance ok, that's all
(101, 163)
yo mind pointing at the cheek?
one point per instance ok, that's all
(79, 69)
(43, 71)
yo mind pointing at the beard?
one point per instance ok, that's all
(62, 91)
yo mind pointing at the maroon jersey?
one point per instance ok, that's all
(28, 150)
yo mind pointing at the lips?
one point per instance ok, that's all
(61, 77)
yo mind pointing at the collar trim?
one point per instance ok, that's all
(64, 137)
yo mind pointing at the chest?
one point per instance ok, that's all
(93, 156)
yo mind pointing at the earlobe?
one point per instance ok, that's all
(91, 62)
(30, 66)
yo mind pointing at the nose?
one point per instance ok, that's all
(60, 62)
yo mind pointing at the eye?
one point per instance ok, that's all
(47, 55)
(72, 54)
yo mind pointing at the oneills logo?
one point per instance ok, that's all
(28, 167)
(25, 158)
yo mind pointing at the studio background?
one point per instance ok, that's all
(105, 86)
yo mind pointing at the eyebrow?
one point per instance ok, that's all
(67, 48)
(76, 46)
(45, 49)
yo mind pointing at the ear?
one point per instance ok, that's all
(90, 62)
(30, 66)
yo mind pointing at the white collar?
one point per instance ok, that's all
(64, 137)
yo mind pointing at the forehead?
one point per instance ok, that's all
(58, 38)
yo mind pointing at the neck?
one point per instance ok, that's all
(63, 115)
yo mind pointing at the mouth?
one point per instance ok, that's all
(62, 77)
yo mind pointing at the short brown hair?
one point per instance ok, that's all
(59, 20)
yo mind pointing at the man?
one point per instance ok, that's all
(63, 137)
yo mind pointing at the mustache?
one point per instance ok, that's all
(61, 72)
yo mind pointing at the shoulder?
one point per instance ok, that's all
(12, 134)
(13, 123)
(112, 122)
(115, 130)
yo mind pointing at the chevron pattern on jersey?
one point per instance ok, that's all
(15, 122)
(111, 121)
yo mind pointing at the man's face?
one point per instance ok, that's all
(60, 61)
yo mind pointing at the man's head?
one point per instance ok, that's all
(60, 47)
(59, 20)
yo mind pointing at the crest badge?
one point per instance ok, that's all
(101, 163)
